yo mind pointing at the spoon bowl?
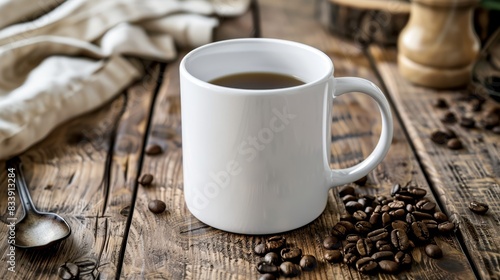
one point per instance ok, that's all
(35, 229)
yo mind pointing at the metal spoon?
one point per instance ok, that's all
(35, 229)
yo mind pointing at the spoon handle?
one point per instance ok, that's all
(22, 188)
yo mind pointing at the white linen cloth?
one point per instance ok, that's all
(75, 55)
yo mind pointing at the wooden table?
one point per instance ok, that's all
(87, 171)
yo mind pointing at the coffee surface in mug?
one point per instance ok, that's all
(257, 80)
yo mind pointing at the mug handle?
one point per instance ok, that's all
(351, 84)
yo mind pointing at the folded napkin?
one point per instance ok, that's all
(75, 55)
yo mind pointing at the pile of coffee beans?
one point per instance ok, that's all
(379, 232)
(488, 121)
(281, 259)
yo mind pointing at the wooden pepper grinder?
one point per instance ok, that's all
(438, 46)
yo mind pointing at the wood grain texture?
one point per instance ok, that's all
(85, 171)
(458, 177)
(175, 245)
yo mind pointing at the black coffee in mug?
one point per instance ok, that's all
(257, 80)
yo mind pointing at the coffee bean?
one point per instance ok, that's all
(346, 217)
(496, 129)
(410, 208)
(331, 242)
(454, 144)
(375, 219)
(364, 246)
(378, 234)
(399, 239)
(377, 209)
(350, 248)
(381, 198)
(440, 216)
(386, 219)
(439, 137)
(68, 271)
(478, 207)
(416, 192)
(157, 206)
(397, 204)
(361, 181)
(449, 117)
(366, 265)
(359, 215)
(433, 251)
(267, 276)
(397, 214)
(410, 218)
(272, 258)
(346, 190)
(420, 231)
(396, 189)
(400, 225)
(383, 245)
(353, 206)
(264, 268)
(467, 122)
(363, 202)
(383, 255)
(308, 263)
(369, 210)
(352, 238)
(387, 201)
(385, 208)
(369, 198)
(342, 228)
(348, 198)
(431, 225)
(446, 227)
(363, 227)
(291, 254)
(276, 243)
(388, 266)
(405, 198)
(350, 258)
(153, 149)
(333, 256)
(441, 103)
(289, 269)
(421, 215)
(146, 179)
(260, 249)
(425, 206)
(403, 259)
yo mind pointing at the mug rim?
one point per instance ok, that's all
(184, 72)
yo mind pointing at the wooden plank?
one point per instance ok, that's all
(457, 176)
(175, 245)
(85, 171)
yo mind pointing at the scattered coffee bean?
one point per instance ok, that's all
(291, 254)
(416, 192)
(388, 266)
(439, 137)
(454, 144)
(446, 227)
(449, 117)
(264, 268)
(157, 206)
(378, 234)
(478, 207)
(441, 103)
(260, 249)
(366, 265)
(153, 149)
(276, 243)
(440, 216)
(383, 245)
(375, 218)
(421, 215)
(350, 248)
(397, 214)
(385, 208)
(361, 181)
(352, 238)
(403, 259)
(353, 206)
(346, 217)
(341, 229)
(308, 263)
(350, 258)
(331, 242)
(267, 276)
(467, 122)
(364, 246)
(333, 256)
(398, 224)
(383, 255)
(289, 269)
(410, 208)
(349, 197)
(420, 231)
(369, 210)
(433, 251)
(431, 225)
(386, 219)
(425, 206)
(359, 215)
(397, 204)
(68, 271)
(399, 239)
(363, 202)
(410, 218)
(272, 258)
(363, 227)
(346, 190)
(405, 198)
(146, 179)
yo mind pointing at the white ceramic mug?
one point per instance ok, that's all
(257, 161)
